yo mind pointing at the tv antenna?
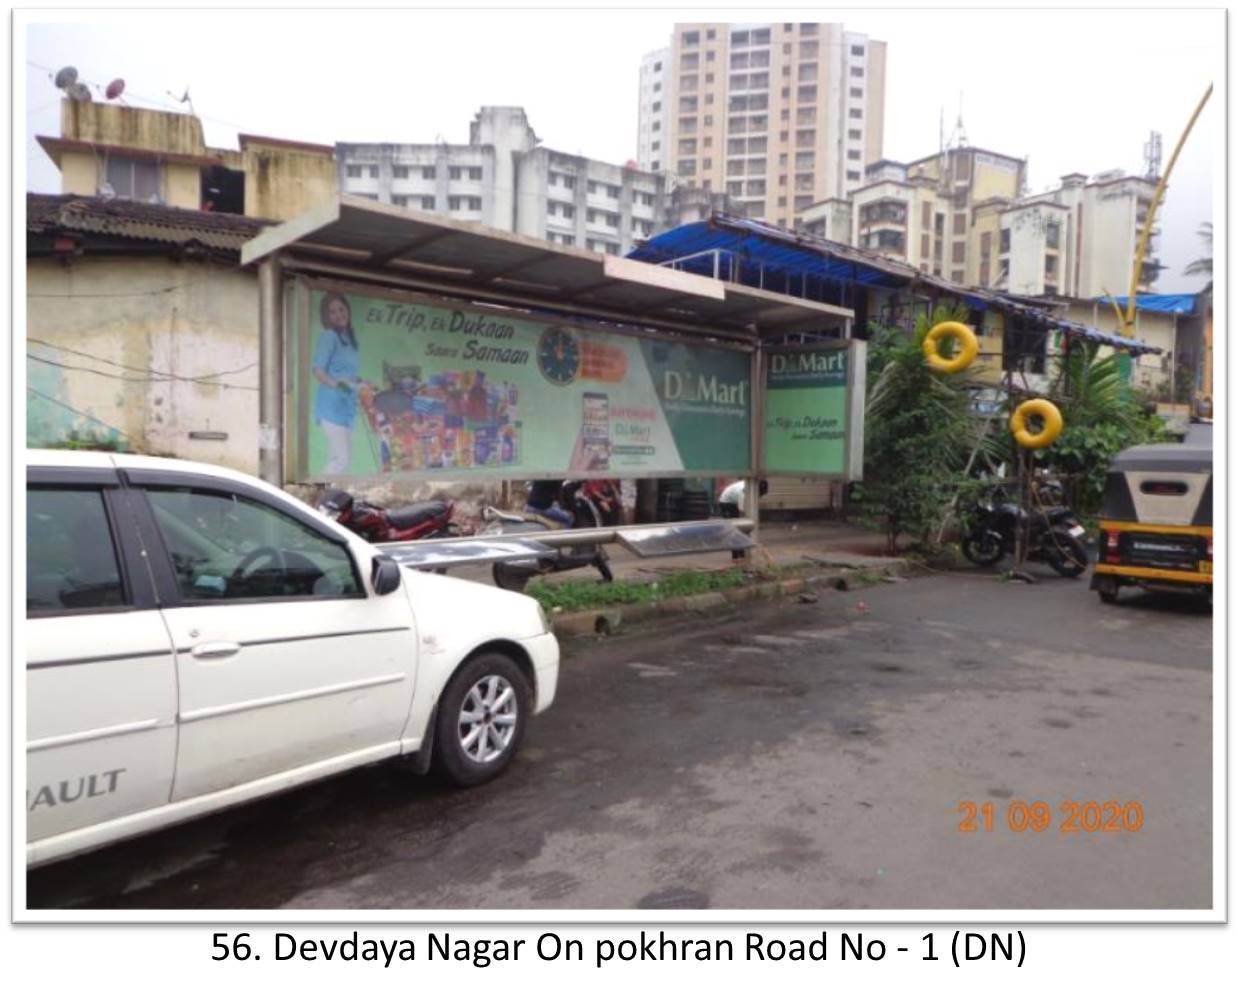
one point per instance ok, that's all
(1152, 156)
(184, 98)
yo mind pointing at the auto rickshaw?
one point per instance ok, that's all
(1156, 521)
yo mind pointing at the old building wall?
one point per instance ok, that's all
(283, 182)
(138, 353)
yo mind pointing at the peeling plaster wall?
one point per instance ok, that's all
(102, 332)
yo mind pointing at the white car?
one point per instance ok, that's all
(197, 638)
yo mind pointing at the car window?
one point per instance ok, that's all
(70, 557)
(228, 546)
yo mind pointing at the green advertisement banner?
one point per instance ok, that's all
(403, 388)
(810, 421)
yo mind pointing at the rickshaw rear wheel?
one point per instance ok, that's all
(1108, 591)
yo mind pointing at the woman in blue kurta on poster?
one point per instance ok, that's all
(337, 363)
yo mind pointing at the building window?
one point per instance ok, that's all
(690, 60)
(687, 146)
(474, 172)
(805, 136)
(657, 87)
(854, 134)
(568, 240)
(687, 167)
(708, 140)
(373, 172)
(657, 126)
(857, 49)
(802, 202)
(808, 72)
(687, 126)
(808, 50)
(736, 147)
(657, 67)
(856, 113)
(735, 167)
(690, 39)
(133, 179)
(857, 91)
(614, 248)
(924, 246)
(399, 200)
(1053, 234)
(709, 57)
(657, 106)
(735, 188)
(958, 252)
(805, 116)
(806, 94)
(354, 172)
(655, 146)
(1004, 245)
(782, 202)
(427, 203)
(592, 187)
(756, 167)
(960, 224)
(688, 84)
(612, 220)
(428, 172)
(853, 174)
(756, 188)
(399, 172)
(687, 105)
(853, 154)
(857, 71)
(656, 164)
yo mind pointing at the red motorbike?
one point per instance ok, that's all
(423, 520)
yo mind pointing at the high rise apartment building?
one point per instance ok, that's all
(963, 214)
(655, 103)
(778, 116)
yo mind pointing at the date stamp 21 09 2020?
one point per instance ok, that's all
(1037, 816)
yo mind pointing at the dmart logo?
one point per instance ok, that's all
(815, 363)
(699, 388)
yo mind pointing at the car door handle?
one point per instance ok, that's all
(215, 649)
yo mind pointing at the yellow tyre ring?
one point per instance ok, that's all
(1047, 410)
(968, 347)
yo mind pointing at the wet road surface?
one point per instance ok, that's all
(797, 756)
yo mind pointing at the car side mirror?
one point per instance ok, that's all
(385, 576)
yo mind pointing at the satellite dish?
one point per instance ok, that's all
(66, 77)
(79, 92)
(114, 89)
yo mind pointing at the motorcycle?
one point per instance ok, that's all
(579, 506)
(423, 520)
(1054, 534)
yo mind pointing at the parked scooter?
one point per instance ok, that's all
(423, 520)
(1054, 535)
(576, 506)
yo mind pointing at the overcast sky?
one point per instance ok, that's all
(1074, 91)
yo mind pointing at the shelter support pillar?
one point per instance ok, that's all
(752, 483)
(271, 370)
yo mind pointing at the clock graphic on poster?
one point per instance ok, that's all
(558, 355)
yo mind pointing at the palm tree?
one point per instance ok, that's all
(1204, 263)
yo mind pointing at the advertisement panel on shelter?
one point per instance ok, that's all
(813, 410)
(403, 388)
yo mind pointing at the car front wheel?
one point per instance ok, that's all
(481, 719)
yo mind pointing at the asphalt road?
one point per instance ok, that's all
(800, 756)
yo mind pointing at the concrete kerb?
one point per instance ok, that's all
(608, 621)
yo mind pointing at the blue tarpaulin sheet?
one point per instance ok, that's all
(752, 252)
(1166, 304)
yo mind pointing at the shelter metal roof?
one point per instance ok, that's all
(760, 250)
(373, 241)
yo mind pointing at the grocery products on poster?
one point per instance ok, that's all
(458, 392)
